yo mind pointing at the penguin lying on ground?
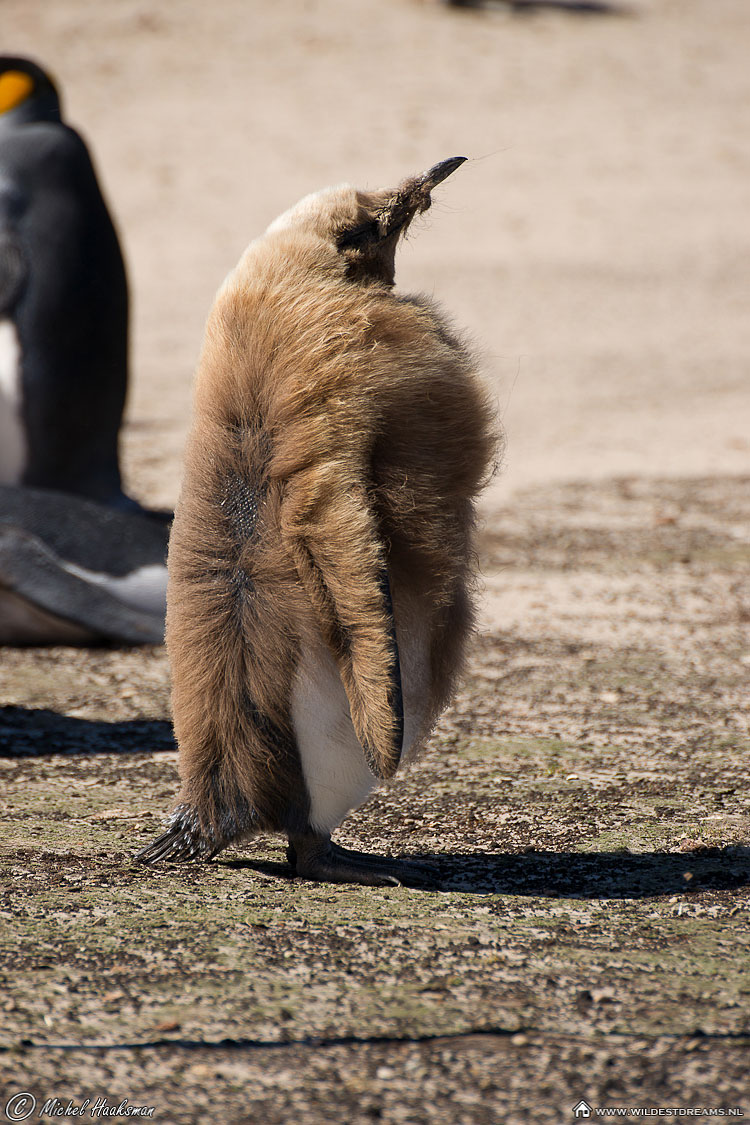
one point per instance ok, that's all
(63, 301)
(76, 572)
(319, 566)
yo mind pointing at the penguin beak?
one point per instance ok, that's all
(15, 87)
(440, 172)
(414, 196)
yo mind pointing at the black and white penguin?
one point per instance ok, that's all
(76, 572)
(63, 301)
(320, 565)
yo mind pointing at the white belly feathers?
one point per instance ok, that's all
(336, 773)
(12, 441)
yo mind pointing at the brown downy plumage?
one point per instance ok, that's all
(320, 561)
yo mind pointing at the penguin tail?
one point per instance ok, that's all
(202, 826)
(185, 839)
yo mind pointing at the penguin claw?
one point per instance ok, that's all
(318, 858)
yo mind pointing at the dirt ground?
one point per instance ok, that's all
(585, 802)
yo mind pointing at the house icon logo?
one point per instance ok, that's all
(583, 1109)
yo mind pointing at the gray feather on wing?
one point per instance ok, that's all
(13, 264)
(12, 270)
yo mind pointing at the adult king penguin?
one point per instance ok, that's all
(320, 562)
(63, 301)
(72, 570)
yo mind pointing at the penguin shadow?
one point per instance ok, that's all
(28, 732)
(543, 874)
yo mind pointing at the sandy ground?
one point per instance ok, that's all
(585, 800)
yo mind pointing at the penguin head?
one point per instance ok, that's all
(26, 92)
(363, 228)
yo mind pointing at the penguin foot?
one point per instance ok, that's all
(316, 857)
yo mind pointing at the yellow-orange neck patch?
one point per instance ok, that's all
(15, 87)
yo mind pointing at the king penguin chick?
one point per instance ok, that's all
(63, 301)
(320, 561)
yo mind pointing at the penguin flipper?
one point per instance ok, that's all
(340, 561)
(13, 262)
(37, 575)
(13, 269)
